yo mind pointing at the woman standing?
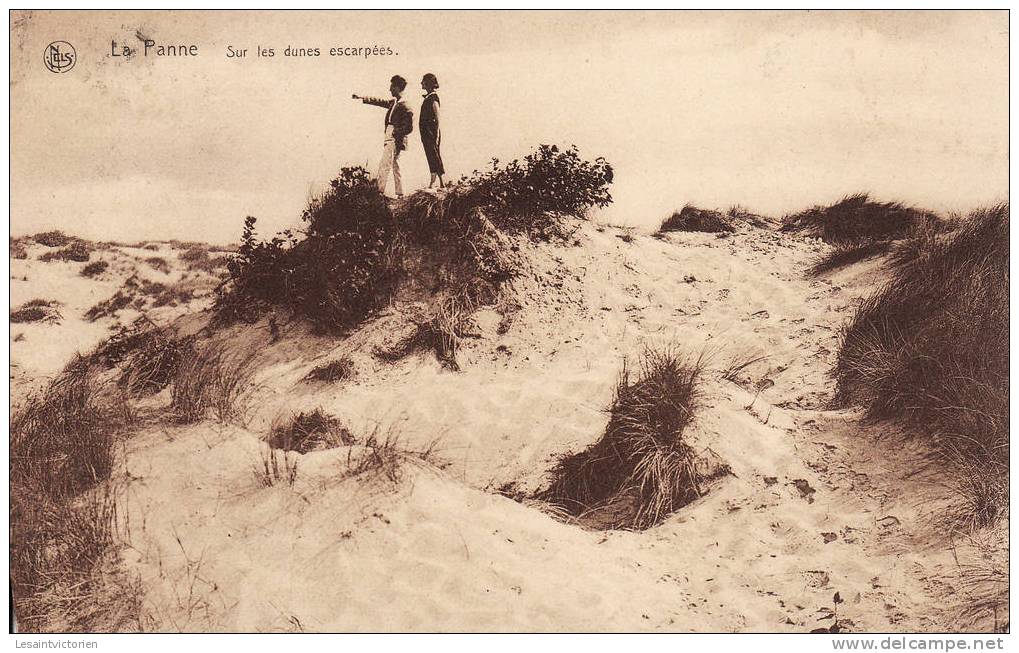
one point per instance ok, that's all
(429, 127)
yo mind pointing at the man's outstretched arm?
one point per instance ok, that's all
(372, 100)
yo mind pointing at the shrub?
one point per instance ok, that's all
(337, 370)
(53, 239)
(354, 255)
(94, 269)
(931, 349)
(77, 251)
(641, 470)
(692, 218)
(109, 307)
(159, 264)
(306, 432)
(857, 219)
(197, 258)
(17, 249)
(210, 379)
(530, 196)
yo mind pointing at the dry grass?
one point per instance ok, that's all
(691, 218)
(856, 219)
(210, 379)
(154, 361)
(278, 467)
(62, 511)
(384, 455)
(931, 349)
(441, 334)
(641, 470)
(337, 370)
(309, 431)
(35, 310)
(847, 253)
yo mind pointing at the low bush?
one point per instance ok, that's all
(354, 252)
(78, 251)
(931, 349)
(94, 269)
(642, 469)
(17, 249)
(691, 218)
(53, 239)
(159, 264)
(35, 310)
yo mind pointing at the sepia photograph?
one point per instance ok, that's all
(493, 321)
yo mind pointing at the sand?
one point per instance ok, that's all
(816, 503)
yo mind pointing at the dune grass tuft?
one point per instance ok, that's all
(337, 370)
(931, 349)
(691, 218)
(62, 508)
(210, 379)
(856, 218)
(94, 269)
(309, 431)
(847, 253)
(642, 469)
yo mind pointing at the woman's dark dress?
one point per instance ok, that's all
(429, 127)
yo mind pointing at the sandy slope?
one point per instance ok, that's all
(815, 504)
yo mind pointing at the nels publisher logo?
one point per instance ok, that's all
(60, 57)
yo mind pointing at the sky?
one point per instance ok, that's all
(775, 111)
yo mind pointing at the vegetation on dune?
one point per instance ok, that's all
(642, 469)
(843, 254)
(691, 218)
(337, 370)
(209, 378)
(78, 251)
(94, 269)
(309, 431)
(53, 239)
(17, 249)
(62, 509)
(931, 348)
(35, 310)
(857, 218)
(356, 249)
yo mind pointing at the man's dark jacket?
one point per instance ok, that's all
(399, 115)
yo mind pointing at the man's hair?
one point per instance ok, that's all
(399, 82)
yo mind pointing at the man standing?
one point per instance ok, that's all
(399, 123)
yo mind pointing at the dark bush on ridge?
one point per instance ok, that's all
(856, 219)
(931, 348)
(352, 258)
(529, 196)
(53, 239)
(77, 251)
(641, 470)
(691, 218)
(94, 269)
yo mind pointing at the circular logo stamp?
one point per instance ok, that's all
(60, 57)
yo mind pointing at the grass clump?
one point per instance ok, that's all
(210, 379)
(309, 431)
(337, 370)
(198, 258)
(843, 254)
(154, 361)
(159, 264)
(278, 468)
(931, 349)
(384, 455)
(35, 310)
(691, 218)
(62, 509)
(94, 269)
(857, 218)
(78, 251)
(642, 469)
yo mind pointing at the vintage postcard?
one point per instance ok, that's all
(510, 321)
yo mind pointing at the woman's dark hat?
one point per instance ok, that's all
(430, 81)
